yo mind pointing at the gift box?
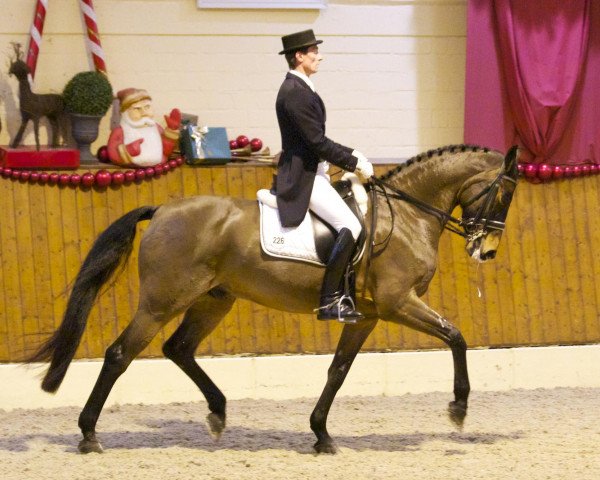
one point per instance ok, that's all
(204, 145)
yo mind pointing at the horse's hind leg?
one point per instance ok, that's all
(416, 314)
(351, 341)
(119, 355)
(198, 322)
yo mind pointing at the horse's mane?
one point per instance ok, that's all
(431, 153)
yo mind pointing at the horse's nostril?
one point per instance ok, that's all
(489, 255)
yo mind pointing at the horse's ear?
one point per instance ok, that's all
(511, 161)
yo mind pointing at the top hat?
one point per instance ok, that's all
(296, 41)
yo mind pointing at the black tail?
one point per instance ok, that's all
(111, 249)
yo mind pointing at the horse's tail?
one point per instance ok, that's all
(111, 249)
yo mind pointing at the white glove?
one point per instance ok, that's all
(363, 166)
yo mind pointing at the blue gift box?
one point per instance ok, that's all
(204, 145)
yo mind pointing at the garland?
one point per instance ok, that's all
(100, 179)
(543, 172)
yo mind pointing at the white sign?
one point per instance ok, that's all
(273, 4)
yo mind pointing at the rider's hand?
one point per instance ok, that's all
(363, 167)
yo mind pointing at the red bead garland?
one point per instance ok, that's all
(101, 179)
(543, 172)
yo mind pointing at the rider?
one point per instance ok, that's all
(302, 181)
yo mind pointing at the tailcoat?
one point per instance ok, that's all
(301, 117)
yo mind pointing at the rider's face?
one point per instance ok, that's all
(308, 62)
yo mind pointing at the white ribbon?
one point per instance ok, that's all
(198, 133)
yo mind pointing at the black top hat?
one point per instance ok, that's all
(296, 41)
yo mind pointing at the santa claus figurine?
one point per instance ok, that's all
(139, 140)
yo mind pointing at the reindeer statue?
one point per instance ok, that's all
(34, 106)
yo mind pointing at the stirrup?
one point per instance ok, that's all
(338, 303)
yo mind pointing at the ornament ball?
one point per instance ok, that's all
(557, 171)
(544, 172)
(256, 144)
(102, 154)
(242, 141)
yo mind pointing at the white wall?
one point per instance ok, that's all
(392, 77)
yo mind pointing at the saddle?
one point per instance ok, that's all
(312, 241)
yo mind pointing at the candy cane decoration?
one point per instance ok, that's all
(87, 7)
(35, 39)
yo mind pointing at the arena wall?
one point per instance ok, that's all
(542, 288)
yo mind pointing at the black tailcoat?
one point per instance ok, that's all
(301, 117)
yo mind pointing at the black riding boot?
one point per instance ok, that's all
(335, 304)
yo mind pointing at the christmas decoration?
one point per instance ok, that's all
(101, 178)
(139, 140)
(256, 144)
(543, 172)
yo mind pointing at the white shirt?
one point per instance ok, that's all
(304, 77)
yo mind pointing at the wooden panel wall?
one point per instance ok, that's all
(543, 288)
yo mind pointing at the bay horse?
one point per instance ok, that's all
(199, 254)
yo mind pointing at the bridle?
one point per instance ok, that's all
(469, 228)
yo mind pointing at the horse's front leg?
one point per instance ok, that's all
(352, 339)
(416, 314)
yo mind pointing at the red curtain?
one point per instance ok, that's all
(533, 78)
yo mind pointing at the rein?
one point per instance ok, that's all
(470, 229)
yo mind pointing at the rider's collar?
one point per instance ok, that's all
(304, 77)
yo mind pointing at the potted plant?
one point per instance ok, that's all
(87, 97)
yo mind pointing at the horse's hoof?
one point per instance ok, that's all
(216, 424)
(326, 447)
(90, 446)
(457, 412)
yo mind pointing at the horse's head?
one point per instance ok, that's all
(485, 199)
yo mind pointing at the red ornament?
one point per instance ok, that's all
(544, 172)
(75, 179)
(102, 154)
(118, 178)
(242, 141)
(44, 177)
(103, 178)
(531, 170)
(179, 161)
(140, 174)
(166, 167)
(173, 164)
(568, 171)
(88, 179)
(521, 168)
(16, 174)
(577, 171)
(149, 172)
(233, 144)
(557, 171)
(34, 177)
(64, 179)
(53, 178)
(586, 170)
(7, 172)
(256, 144)
(594, 169)
(25, 174)
(129, 176)
(158, 170)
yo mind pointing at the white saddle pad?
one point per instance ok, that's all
(296, 243)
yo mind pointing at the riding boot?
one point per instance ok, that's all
(335, 304)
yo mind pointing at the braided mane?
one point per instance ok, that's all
(429, 154)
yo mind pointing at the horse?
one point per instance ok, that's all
(199, 254)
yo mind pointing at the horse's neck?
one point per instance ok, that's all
(436, 181)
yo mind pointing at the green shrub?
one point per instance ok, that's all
(88, 93)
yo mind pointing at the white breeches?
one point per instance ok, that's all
(327, 204)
